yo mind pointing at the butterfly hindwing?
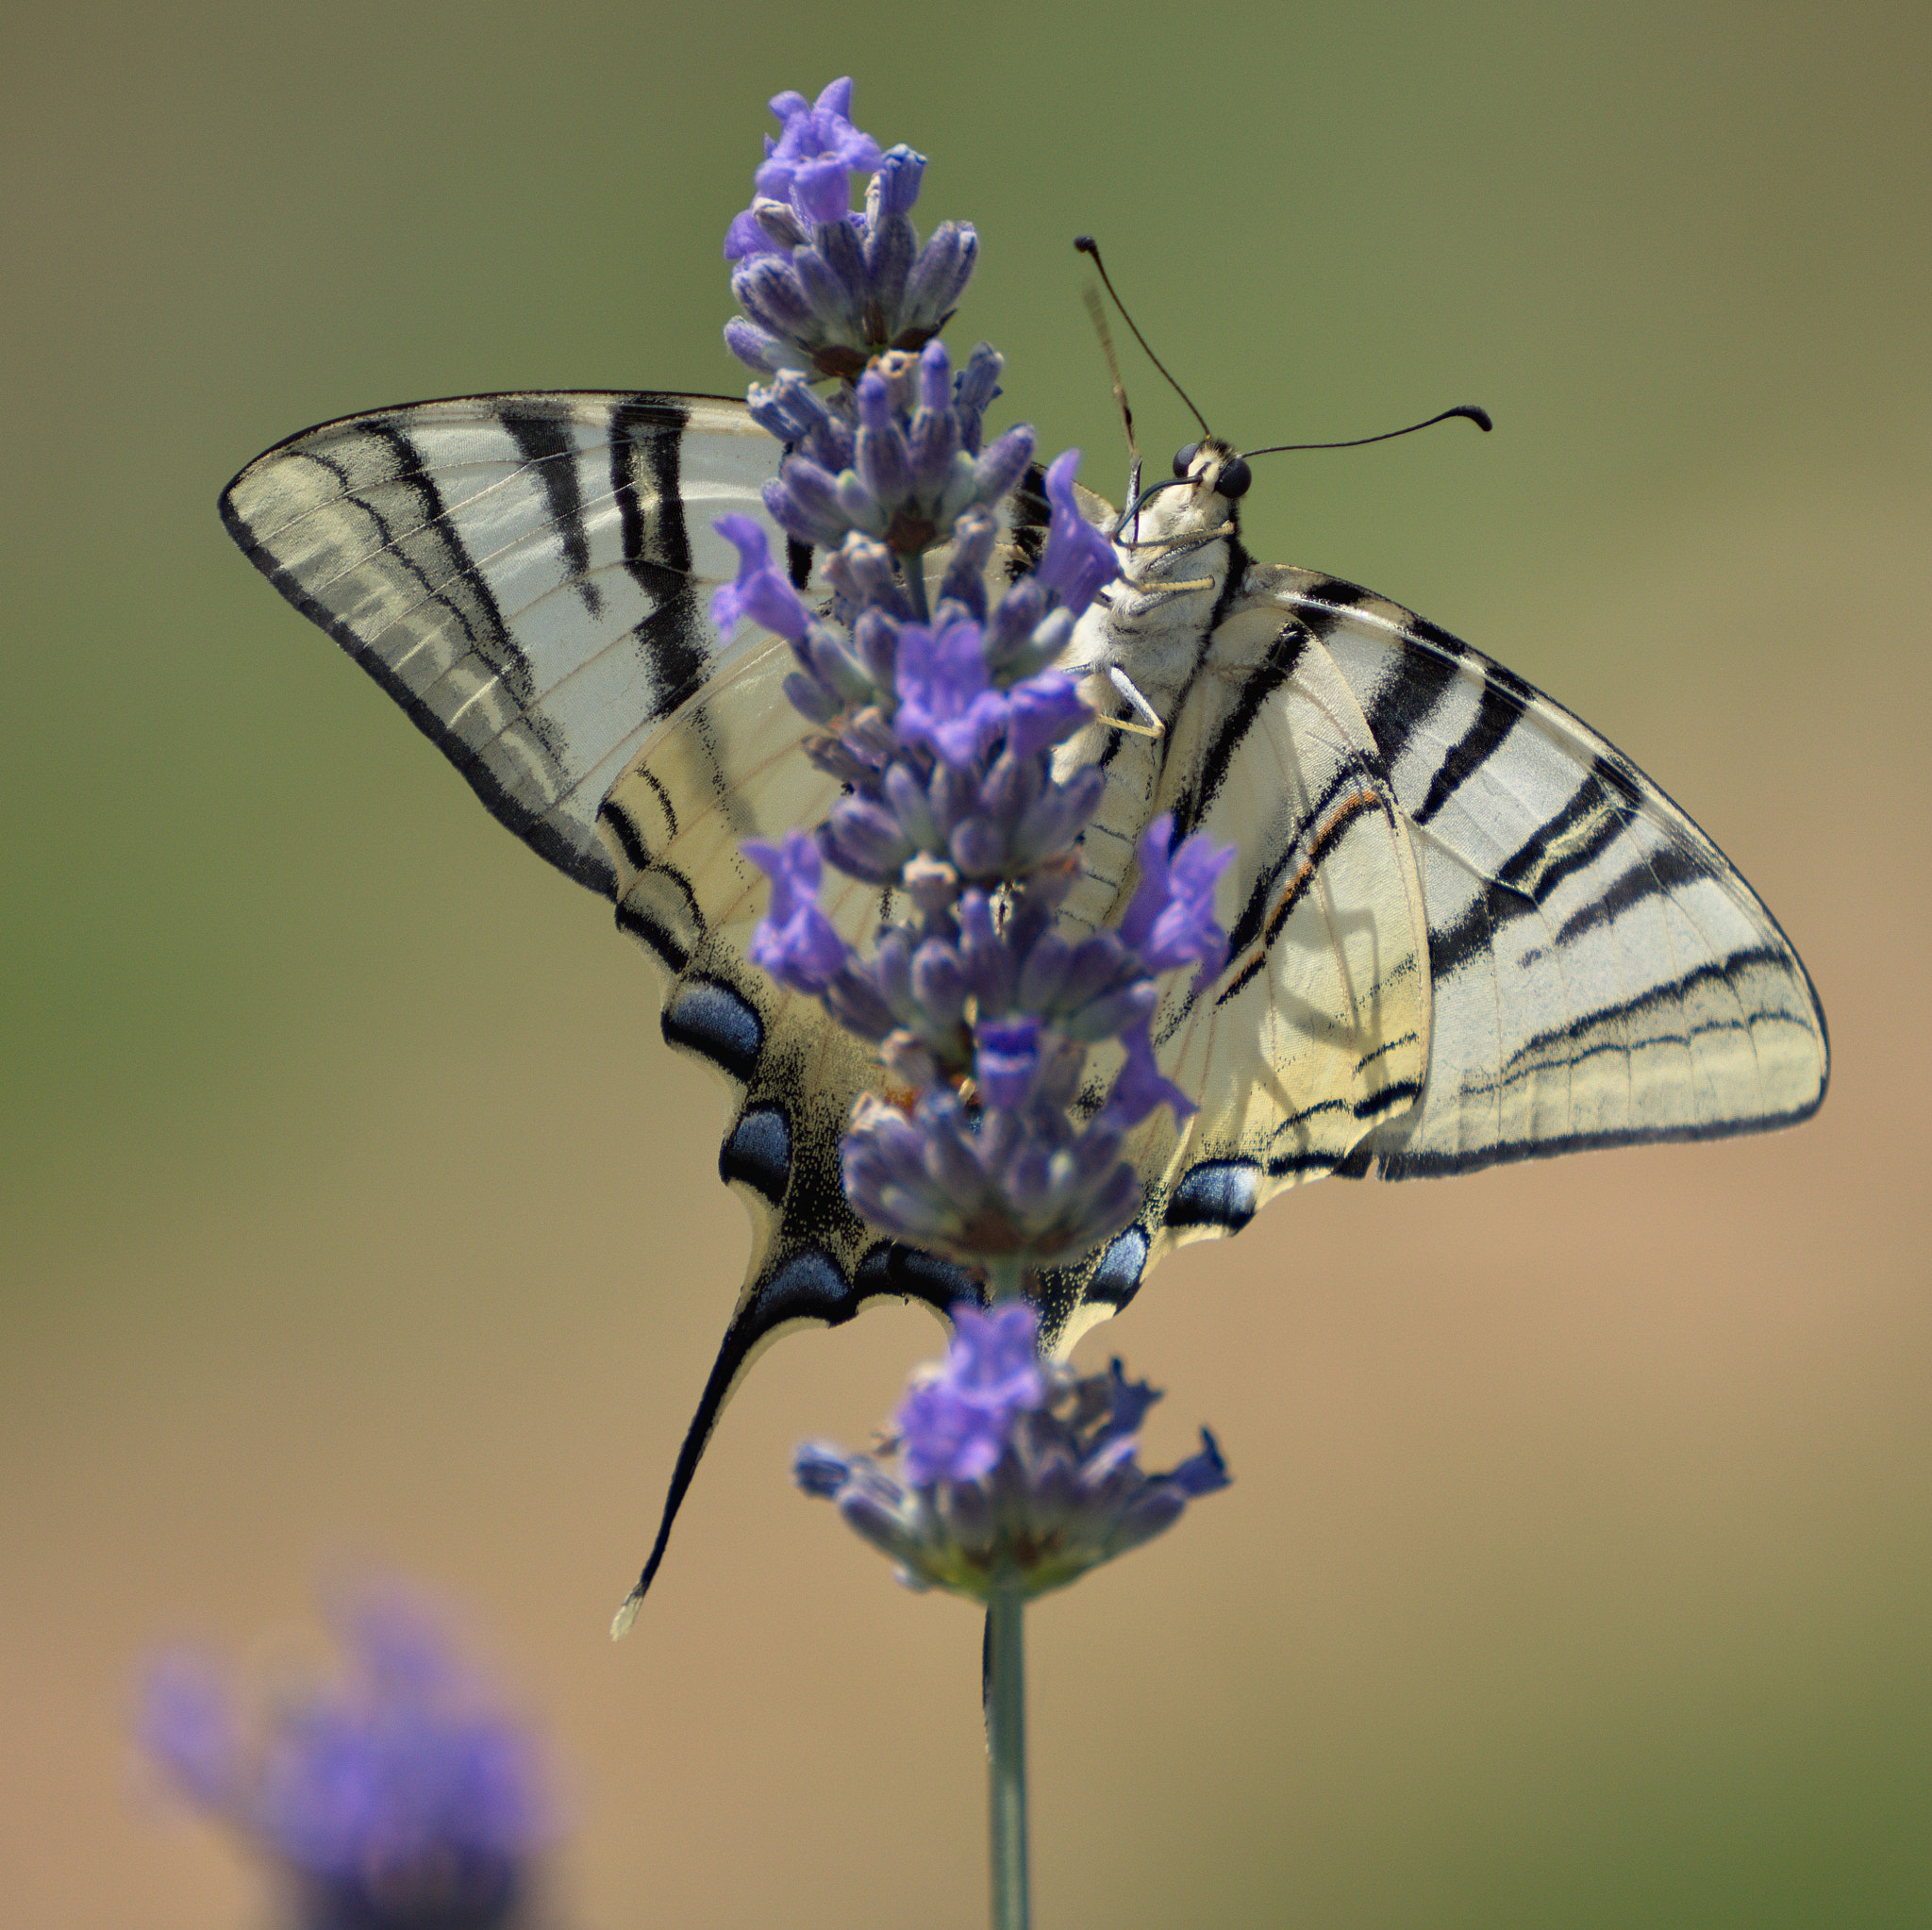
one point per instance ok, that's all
(1317, 1029)
(1600, 975)
(526, 574)
(674, 825)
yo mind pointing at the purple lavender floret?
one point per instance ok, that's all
(396, 1798)
(953, 1424)
(1171, 920)
(1079, 560)
(808, 168)
(1014, 1471)
(796, 942)
(891, 458)
(761, 592)
(946, 703)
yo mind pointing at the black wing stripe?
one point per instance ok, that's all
(1398, 1164)
(1268, 677)
(551, 455)
(1365, 797)
(1652, 876)
(1496, 715)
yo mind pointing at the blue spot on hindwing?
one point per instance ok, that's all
(717, 1024)
(1120, 1267)
(1218, 1192)
(759, 1153)
(807, 1287)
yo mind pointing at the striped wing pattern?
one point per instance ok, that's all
(1464, 929)
(1600, 975)
(525, 575)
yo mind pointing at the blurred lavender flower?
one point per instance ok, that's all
(396, 1798)
(1013, 1472)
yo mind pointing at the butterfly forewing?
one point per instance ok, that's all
(526, 574)
(1601, 972)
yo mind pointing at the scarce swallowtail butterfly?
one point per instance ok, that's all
(1464, 929)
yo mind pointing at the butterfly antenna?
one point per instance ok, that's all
(1480, 417)
(1087, 245)
(1113, 369)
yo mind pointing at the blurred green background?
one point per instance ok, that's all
(1577, 1570)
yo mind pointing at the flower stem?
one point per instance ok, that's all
(1006, 1279)
(914, 568)
(1006, 1740)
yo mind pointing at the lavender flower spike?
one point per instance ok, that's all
(1013, 1472)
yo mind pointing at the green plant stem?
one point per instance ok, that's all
(1006, 1744)
(1006, 1279)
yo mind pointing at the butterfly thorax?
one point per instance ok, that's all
(1178, 549)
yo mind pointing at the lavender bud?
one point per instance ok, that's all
(810, 698)
(871, 833)
(1013, 620)
(771, 290)
(912, 807)
(939, 276)
(1011, 787)
(894, 186)
(884, 462)
(1112, 1013)
(857, 505)
(1046, 645)
(1000, 469)
(979, 849)
(757, 350)
(876, 637)
(892, 969)
(778, 224)
(953, 795)
(974, 536)
(1044, 972)
(831, 309)
(979, 380)
(843, 249)
(939, 984)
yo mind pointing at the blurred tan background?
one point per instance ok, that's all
(1576, 1570)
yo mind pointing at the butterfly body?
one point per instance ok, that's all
(1463, 928)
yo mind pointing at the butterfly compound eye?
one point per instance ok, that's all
(1183, 457)
(1234, 478)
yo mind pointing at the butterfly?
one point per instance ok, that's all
(1463, 929)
